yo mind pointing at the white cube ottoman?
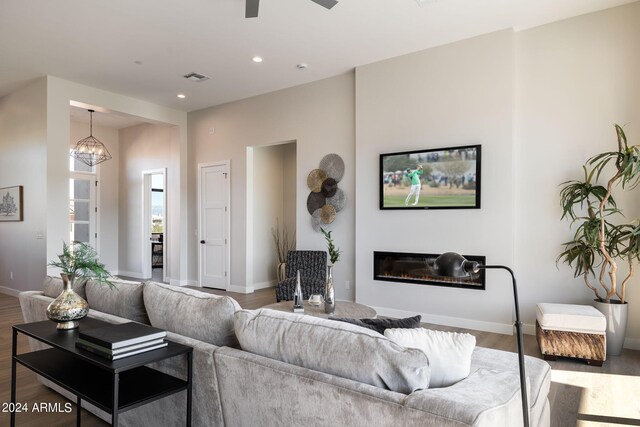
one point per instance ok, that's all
(571, 330)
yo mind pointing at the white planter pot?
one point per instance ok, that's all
(616, 315)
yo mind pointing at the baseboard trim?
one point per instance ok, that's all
(9, 291)
(178, 282)
(264, 285)
(135, 275)
(241, 289)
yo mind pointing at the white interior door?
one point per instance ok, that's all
(214, 215)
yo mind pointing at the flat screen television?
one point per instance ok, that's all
(440, 178)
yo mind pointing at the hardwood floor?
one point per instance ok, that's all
(580, 395)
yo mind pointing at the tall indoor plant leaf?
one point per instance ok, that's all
(602, 239)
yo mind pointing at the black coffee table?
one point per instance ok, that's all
(113, 386)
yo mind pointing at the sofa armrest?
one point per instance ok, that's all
(34, 305)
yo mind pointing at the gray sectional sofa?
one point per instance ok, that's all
(267, 368)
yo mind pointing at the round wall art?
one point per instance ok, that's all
(325, 198)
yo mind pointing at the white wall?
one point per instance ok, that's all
(575, 79)
(23, 135)
(541, 102)
(147, 147)
(108, 173)
(274, 201)
(320, 117)
(458, 94)
(290, 202)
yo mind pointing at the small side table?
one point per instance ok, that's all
(113, 386)
(347, 309)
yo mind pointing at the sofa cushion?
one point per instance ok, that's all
(52, 287)
(199, 315)
(449, 353)
(124, 301)
(335, 348)
(380, 325)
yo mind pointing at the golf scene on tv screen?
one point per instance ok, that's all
(443, 178)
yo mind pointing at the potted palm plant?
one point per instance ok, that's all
(77, 262)
(602, 239)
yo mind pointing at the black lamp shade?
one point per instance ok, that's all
(451, 264)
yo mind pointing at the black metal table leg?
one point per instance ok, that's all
(14, 350)
(79, 409)
(116, 386)
(189, 381)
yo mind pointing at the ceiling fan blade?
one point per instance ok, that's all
(251, 8)
(326, 3)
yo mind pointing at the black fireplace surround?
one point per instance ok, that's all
(418, 269)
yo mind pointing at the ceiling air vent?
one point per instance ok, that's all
(196, 77)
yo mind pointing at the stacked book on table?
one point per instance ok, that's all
(117, 341)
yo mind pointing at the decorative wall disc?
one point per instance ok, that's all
(315, 179)
(329, 187)
(327, 214)
(316, 222)
(315, 201)
(333, 165)
(337, 200)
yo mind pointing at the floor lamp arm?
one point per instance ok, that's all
(520, 339)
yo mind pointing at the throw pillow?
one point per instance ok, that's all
(380, 325)
(449, 353)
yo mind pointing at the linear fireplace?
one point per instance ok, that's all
(418, 269)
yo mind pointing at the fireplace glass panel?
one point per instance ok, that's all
(419, 269)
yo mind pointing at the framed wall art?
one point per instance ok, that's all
(11, 204)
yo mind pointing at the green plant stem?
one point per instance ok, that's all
(613, 267)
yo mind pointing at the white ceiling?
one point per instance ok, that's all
(98, 43)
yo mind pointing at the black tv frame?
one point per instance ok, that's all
(478, 164)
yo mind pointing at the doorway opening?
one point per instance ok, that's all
(154, 242)
(271, 205)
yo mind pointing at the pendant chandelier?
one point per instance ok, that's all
(89, 150)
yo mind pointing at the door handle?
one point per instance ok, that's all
(202, 242)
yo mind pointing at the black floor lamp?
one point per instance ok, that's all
(451, 264)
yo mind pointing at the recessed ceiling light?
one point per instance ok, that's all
(182, 96)
(257, 59)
